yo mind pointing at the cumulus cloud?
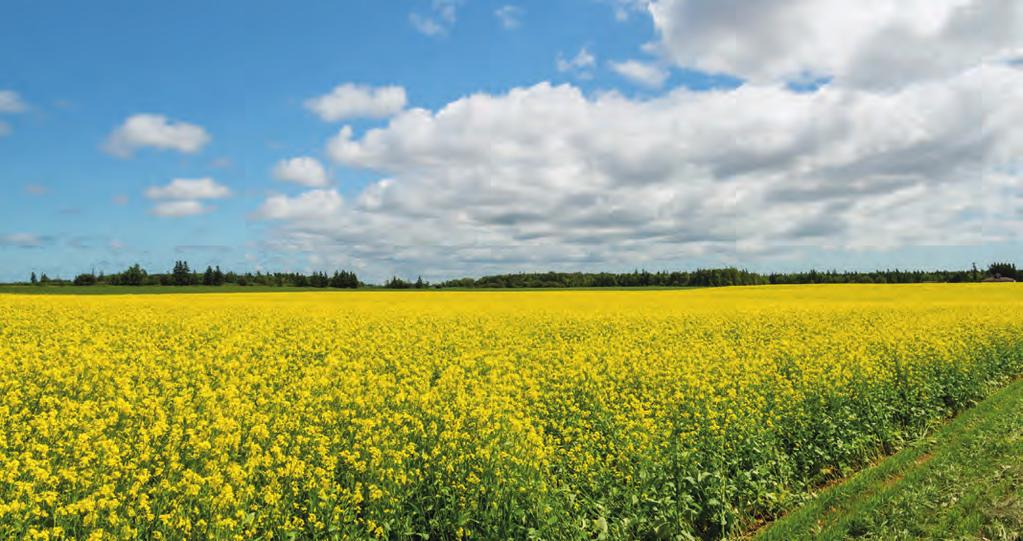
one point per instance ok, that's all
(183, 197)
(179, 209)
(548, 177)
(349, 101)
(182, 188)
(510, 16)
(302, 170)
(323, 203)
(870, 43)
(912, 140)
(11, 102)
(155, 131)
(580, 65)
(642, 73)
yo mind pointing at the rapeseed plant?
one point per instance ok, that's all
(484, 415)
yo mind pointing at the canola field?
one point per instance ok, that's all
(472, 415)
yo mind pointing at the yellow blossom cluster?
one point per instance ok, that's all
(471, 415)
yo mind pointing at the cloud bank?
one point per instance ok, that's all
(868, 43)
(546, 176)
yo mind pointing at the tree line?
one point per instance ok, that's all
(182, 275)
(727, 277)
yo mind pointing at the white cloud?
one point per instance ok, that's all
(547, 177)
(179, 209)
(155, 131)
(120, 200)
(869, 43)
(912, 141)
(581, 65)
(642, 73)
(181, 188)
(11, 102)
(510, 16)
(183, 197)
(440, 20)
(349, 101)
(308, 205)
(302, 170)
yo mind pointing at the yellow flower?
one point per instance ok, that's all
(372, 414)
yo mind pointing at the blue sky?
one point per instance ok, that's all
(658, 144)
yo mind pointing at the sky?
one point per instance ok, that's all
(449, 138)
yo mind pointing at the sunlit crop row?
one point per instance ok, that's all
(446, 415)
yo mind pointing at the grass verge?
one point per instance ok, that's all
(963, 482)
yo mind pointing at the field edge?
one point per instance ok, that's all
(958, 481)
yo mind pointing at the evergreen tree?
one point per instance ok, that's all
(1003, 270)
(35, 281)
(397, 283)
(181, 275)
(342, 279)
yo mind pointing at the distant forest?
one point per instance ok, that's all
(183, 275)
